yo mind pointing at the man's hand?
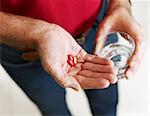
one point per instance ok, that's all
(53, 45)
(96, 73)
(89, 72)
(119, 18)
(53, 49)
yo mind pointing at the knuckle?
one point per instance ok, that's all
(113, 71)
(99, 59)
(84, 65)
(107, 61)
(105, 84)
(111, 77)
(110, 62)
(104, 60)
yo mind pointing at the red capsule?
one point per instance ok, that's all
(71, 63)
(70, 57)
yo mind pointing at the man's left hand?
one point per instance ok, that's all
(119, 19)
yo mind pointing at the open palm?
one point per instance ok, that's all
(53, 52)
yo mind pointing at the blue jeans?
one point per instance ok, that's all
(46, 93)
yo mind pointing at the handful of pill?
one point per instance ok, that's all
(72, 61)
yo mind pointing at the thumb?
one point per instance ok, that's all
(103, 29)
(71, 82)
(62, 79)
(136, 32)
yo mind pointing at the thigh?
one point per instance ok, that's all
(103, 102)
(37, 84)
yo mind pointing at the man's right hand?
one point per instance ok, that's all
(89, 72)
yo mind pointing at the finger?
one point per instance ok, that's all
(137, 54)
(76, 50)
(104, 28)
(92, 83)
(99, 68)
(137, 34)
(98, 60)
(70, 82)
(112, 78)
(132, 70)
(81, 56)
(61, 77)
(74, 70)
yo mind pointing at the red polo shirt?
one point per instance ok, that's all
(73, 15)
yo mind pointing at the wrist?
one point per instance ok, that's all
(120, 3)
(40, 33)
(37, 33)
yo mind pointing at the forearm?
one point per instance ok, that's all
(127, 2)
(118, 3)
(19, 31)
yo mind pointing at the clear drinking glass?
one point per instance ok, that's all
(118, 48)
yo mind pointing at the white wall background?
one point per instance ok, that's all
(133, 93)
